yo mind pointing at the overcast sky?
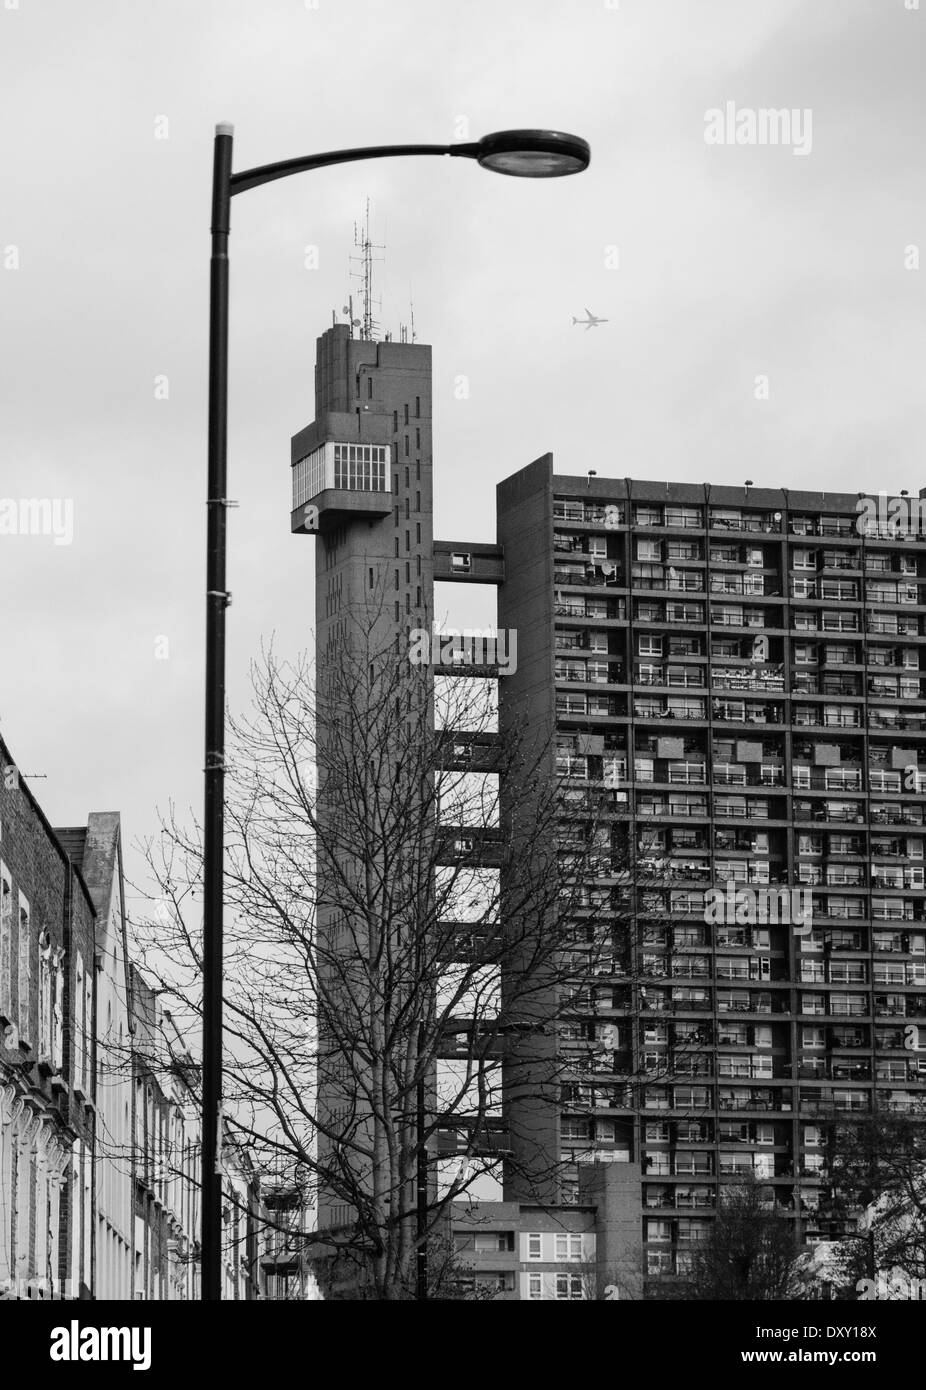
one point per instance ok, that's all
(733, 263)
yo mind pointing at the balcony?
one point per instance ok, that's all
(686, 773)
(671, 679)
(589, 514)
(334, 481)
(587, 575)
(739, 680)
(752, 523)
(736, 712)
(749, 585)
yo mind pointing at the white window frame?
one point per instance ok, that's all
(567, 1246)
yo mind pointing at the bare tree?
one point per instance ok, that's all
(402, 930)
(876, 1191)
(749, 1253)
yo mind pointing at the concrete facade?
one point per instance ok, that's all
(373, 556)
(736, 678)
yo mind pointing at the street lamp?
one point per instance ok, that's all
(522, 153)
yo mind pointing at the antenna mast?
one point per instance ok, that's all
(368, 324)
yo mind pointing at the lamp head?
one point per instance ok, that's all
(533, 154)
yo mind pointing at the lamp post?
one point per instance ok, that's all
(521, 153)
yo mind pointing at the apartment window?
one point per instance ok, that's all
(567, 1247)
(79, 1022)
(89, 1024)
(47, 972)
(678, 708)
(805, 622)
(489, 1242)
(535, 1246)
(417, 407)
(850, 1100)
(691, 1097)
(569, 1286)
(395, 422)
(6, 937)
(683, 516)
(25, 967)
(359, 467)
(535, 1286)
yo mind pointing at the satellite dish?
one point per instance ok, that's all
(345, 309)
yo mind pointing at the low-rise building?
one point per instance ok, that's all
(100, 1122)
(47, 1028)
(96, 851)
(585, 1250)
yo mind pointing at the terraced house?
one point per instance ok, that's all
(99, 1114)
(47, 1029)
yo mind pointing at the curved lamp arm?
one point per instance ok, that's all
(266, 173)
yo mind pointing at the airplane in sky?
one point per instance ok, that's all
(590, 321)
